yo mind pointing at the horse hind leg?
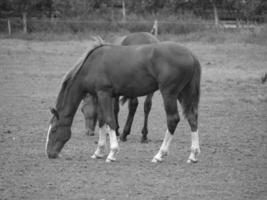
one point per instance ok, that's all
(173, 118)
(90, 114)
(116, 112)
(195, 149)
(132, 106)
(147, 108)
(189, 102)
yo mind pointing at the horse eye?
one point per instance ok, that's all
(53, 129)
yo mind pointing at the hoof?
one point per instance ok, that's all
(157, 160)
(108, 160)
(111, 159)
(95, 156)
(145, 140)
(112, 155)
(89, 133)
(193, 155)
(159, 156)
(191, 161)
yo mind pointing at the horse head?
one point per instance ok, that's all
(58, 134)
(68, 100)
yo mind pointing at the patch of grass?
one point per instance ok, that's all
(213, 35)
(257, 36)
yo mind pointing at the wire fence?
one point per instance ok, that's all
(14, 25)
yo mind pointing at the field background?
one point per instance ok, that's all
(232, 127)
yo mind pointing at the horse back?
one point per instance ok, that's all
(139, 38)
(140, 69)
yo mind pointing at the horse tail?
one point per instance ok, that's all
(190, 95)
(123, 100)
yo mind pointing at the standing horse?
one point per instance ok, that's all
(89, 106)
(109, 71)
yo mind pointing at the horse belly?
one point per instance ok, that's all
(136, 87)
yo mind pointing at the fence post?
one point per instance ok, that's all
(215, 13)
(154, 29)
(123, 11)
(24, 21)
(9, 26)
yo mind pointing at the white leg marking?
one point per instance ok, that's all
(195, 150)
(164, 149)
(114, 146)
(102, 144)
(47, 137)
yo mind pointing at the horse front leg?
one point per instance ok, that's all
(106, 103)
(102, 144)
(147, 108)
(132, 106)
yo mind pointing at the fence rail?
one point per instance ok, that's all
(12, 25)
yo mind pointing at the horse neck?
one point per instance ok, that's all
(72, 100)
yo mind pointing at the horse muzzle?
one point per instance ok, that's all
(52, 155)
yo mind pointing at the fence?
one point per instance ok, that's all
(14, 25)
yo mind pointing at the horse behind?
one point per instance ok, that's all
(109, 71)
(89, 106)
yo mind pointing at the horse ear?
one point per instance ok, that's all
(54, 112)
(98, 39)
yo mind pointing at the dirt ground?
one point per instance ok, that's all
(233, 132)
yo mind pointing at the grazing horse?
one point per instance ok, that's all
(89, 106)
(109, 71)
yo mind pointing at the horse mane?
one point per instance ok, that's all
(72, 73)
